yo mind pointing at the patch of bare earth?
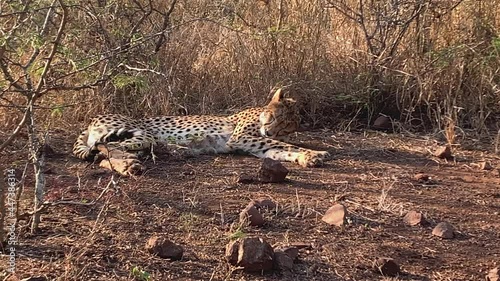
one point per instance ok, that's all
(196, 203)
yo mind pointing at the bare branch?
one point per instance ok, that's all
(16, 131)
(141, 20)
(36, 50)
(405, 27)
(165, 27)
(142, 69)
(53, 51)
(6, 72)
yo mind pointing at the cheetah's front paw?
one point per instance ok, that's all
(125, 167)
(313, 158)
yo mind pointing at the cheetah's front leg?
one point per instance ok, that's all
(277, 150)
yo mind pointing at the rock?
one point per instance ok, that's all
(336, 215)
(443, 152)
(415, 218)
(421, 177)
(386, 266)
(282, 261)
(263, 203)
(444, 230)
(382, 123)
(292, 252)
(246, 179)
(272, 171)
(164, 248)
(493, 275)
(232, 250)
(253, 254)
(252, 216)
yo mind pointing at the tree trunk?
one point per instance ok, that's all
(37, 156)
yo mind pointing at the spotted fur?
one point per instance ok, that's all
(256, 131)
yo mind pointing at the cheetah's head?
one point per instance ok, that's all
(280, 117)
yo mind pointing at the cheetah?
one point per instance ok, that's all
(261, 132)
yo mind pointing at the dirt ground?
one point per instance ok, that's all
(196, 201)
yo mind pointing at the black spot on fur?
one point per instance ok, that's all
(117, 137)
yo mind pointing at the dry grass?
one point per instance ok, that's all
(222, 56)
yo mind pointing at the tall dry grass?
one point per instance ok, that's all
(432, 70)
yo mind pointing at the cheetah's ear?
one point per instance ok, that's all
(278, 96)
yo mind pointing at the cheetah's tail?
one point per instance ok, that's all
(81, 149)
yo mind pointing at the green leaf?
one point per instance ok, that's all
(140, 274)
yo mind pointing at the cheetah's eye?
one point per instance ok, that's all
(270, 119)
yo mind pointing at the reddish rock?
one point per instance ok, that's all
(421, 177)
(252, 216)
(282, 261)
(444, 230)
(292, 252)
(272, 171)
(443, 152)
(232, 250)
(336, 215)
(386, 266)
(164, 248)
(253, 254)
(382, 123)
(415, 218)
(246, 179)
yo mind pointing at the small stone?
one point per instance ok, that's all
(252, 216)
(386, 266)
(253, 254)
(164, 248)
(263, 203)
(232, 252)
(493, 275)
(443, 152)
(272, 171)
(246, 179)
(282, 261)
(444, 230)
(415, 218)
(382, 123)
(485, 165)
(336, 215)
(421, 177)
(292, 252)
